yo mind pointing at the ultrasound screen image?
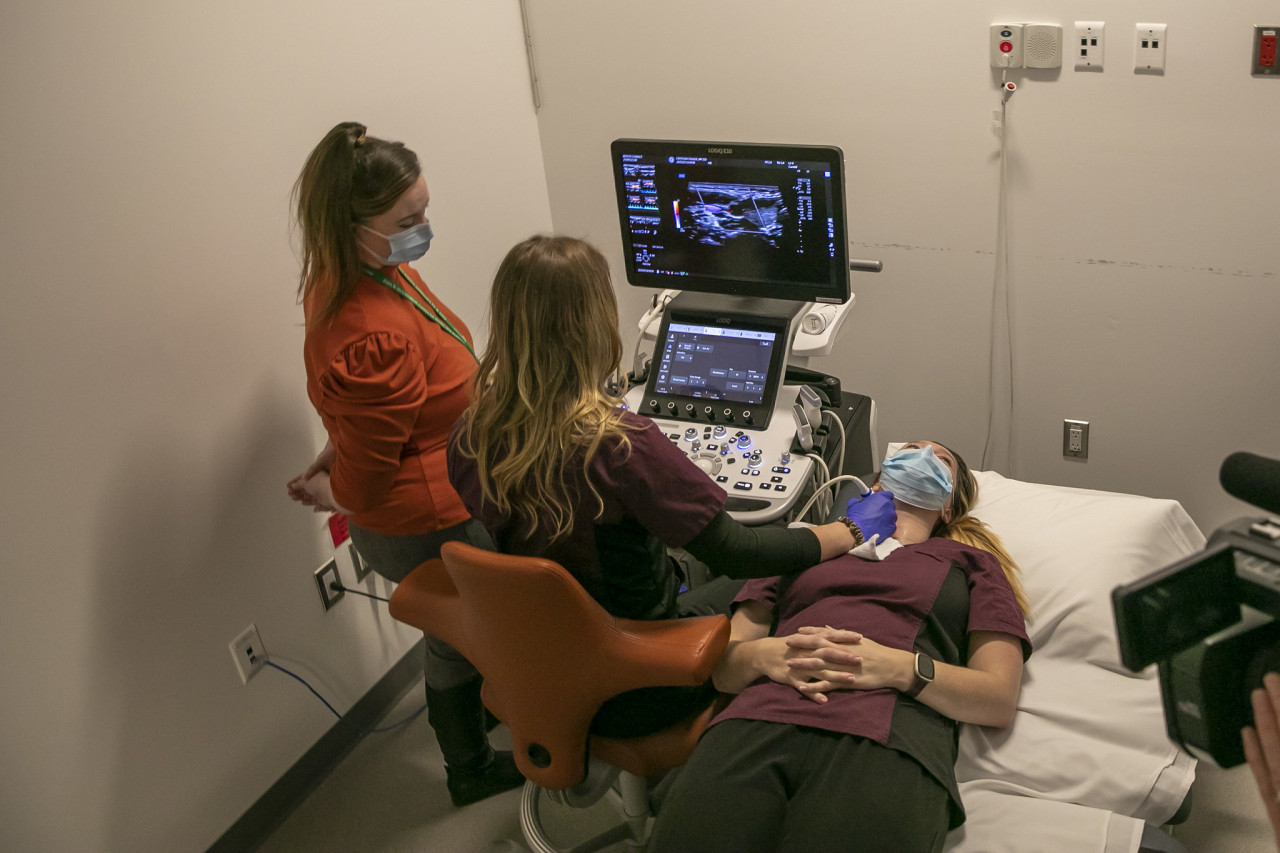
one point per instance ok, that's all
(745, 220)
(718, 213)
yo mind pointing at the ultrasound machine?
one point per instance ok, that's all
(749, 243)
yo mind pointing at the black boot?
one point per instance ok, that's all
(475, 771)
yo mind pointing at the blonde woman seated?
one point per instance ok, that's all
(552, 467)
(842, 735)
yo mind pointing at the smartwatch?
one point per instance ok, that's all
(923, 674)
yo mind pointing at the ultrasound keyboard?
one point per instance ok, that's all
(756, 467)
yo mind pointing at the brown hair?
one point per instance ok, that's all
(348, 178)
(970, 530)
(539, 402)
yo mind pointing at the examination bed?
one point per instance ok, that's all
(1086, 765)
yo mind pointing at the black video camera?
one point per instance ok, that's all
(1212, 621)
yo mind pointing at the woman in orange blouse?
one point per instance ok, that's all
(389, 370)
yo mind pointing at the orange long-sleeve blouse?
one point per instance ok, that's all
(388, 384)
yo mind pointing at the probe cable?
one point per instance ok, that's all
(843, 478)
(824, 478)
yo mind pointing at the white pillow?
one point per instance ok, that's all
(1087, 730)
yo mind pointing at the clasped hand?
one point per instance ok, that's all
(311, 487)
(816, 661)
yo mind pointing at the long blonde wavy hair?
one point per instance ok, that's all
(539, 404)
(968, 529)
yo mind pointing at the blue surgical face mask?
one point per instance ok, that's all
(406, 246)
(916, 476)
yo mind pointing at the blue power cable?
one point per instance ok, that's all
(342, 719)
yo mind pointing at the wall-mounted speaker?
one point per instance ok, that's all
(1042, 46)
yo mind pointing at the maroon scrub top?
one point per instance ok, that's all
(927, 597)
(653, 497)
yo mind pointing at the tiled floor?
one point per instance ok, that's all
(388, 796)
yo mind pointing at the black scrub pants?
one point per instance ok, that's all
(777, 788)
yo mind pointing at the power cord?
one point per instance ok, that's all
(337, 586)
(341, 719)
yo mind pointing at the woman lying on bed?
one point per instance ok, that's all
(842, 735)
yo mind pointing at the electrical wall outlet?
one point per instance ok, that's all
(359, 567)
(248, 653)
(325, 575)
(1090, 45)
(1149, 48)
(1264, 51)
(1075, 439)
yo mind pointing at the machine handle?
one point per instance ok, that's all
(864, 265)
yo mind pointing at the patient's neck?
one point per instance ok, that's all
(914, 524)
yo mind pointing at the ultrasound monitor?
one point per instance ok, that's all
(743, 220)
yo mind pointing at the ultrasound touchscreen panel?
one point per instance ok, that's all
(715, 363)
(748, 220)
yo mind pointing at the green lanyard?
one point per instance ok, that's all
(433, 314)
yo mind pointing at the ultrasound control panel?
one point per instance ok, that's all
(716, 367)
(755, 466)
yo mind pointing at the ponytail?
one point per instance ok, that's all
(972, 531)
(967, 529)
(348, 178)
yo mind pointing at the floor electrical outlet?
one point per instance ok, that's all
(358, 566)
(248, 653)
(325, 575)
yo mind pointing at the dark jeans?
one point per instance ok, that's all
(773, 787)
(652, 709)
(393, 557)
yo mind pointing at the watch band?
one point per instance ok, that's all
(923, 671)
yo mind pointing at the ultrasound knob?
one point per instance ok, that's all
(690, 434)
(709, 412)
(653, 406)
(746, 416)
(671, 407)
(728, 414)
(690, 409)
(719, 432)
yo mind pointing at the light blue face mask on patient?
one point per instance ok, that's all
(917, 476)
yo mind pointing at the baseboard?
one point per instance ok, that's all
(273, 807)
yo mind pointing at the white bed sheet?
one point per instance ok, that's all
(1086, 760)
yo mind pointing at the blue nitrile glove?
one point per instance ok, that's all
(874, 513)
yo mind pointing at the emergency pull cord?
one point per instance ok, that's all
(1000, 300)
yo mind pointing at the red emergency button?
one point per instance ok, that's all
(1005, 46)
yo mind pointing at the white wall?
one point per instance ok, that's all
(1144, 258)
(154, 399)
